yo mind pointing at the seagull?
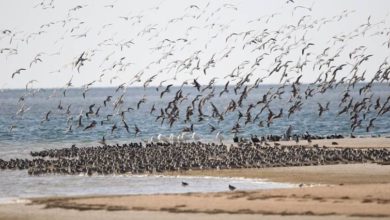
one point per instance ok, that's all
(370, 125)
(46, 117)
(195, 137)
(113, 128)
(219, 137)
(137, 130)
(103, 141)
(92, 125)
(161, 138)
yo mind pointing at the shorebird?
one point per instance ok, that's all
(195, 137)
(173, 139)
(219, 137)
(153, 139)
(46, 117)
(184, 183)
(162, 138)
(232, 188)
(103, 141)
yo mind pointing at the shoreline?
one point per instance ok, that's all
(340, 191)
(368, 198)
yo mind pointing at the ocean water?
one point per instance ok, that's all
(29, 134)
(22, 186)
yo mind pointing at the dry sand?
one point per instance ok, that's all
(353, 191)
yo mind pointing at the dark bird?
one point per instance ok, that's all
(184, 183)
(306, 47)
(92, 125)
(140, 102)
(113, 128)
(137, 130)
(196, 85)
(232, 188)
(167, 90)
(212, 128)
(80, 61)
(225, 89)
(322, 109)
(108, 99)
(103, 141)
(370, 125)
(46, 117)
(35, 60)
(126, 126)
(255, 139)
(17, 72)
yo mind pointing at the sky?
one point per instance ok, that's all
(131, 41)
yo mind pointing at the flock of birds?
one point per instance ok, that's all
(137, 158)
(286, 52)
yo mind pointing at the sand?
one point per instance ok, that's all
(353, 191)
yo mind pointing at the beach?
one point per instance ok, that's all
(341, 191)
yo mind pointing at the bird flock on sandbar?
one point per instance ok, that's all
(184, 55)
(152, 158)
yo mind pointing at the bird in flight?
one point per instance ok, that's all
(17, 72)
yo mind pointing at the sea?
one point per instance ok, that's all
(24, 131)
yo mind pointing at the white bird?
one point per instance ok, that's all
(184, 137)
(161, 138)
(173, 139)
(153, 139)
(219, 137)
(195, 137)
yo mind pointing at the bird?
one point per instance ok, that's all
(108, 99)
(113, 128)
(137, 130)
(232, 188)
(184, 183)
(322, 109)
(288, 132)
(17, 72)
(370, 125)
(255, 139)
(46, 118)
(92, 125)
(103, 141)
(235, 138)
(219, 137)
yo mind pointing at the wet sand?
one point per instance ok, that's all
(352, 191)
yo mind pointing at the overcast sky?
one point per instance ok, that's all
(38, 28)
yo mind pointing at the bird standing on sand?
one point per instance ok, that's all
(232, 188)
(288, 132)
(195, 137)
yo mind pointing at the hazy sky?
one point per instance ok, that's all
(56, 32)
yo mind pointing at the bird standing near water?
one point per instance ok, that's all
(219, 137)
(289, 132)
